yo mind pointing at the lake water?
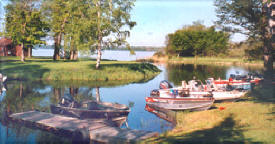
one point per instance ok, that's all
(121, 55)
(24, 96)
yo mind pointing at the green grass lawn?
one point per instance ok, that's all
(207, 60)
(250, 120)
(215, 60)
(47, 69)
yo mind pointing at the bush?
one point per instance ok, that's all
(197, 40)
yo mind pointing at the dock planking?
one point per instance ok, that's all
(92, 130)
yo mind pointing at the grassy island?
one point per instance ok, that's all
(84, 70)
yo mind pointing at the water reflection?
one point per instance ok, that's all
(178, 72)
(165, 114)
(3, 90)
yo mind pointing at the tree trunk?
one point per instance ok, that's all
(71, 54)
(99, 42)
(75, 55)
(22, 53)
(268, 39)
(21, 90)
(56, 94)
(29, 52)
(268, 62)
(57, 43)
(98, 59)
(97, 94)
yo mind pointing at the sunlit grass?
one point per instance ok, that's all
(47, 69)
(216, 60)
(206, 60)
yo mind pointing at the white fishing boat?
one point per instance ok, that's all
(228, 92)
(179, 98)
(196, 89)
(228, 95)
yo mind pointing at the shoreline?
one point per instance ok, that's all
(205, 61)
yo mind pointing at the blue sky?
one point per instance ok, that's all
(157, 18)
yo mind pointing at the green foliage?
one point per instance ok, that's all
(252, 18)
(241, 16)
(115, 21)
(85, 23)
(24, 23)
(197, 40)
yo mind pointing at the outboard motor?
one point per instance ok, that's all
(68, 101)
(154, 93)
(232, 76)
(165, 85)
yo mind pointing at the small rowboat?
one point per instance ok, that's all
(92, 109)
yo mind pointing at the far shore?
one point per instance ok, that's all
(206, 61)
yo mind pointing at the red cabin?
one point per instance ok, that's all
(7, 48)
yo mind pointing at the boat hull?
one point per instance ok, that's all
(193, 104)
(220, 96)
(166, 93)
(83, 113)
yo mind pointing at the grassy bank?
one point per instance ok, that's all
(251, 120)
(47, 69)
(207, 61)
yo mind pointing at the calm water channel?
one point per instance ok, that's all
(24, 96)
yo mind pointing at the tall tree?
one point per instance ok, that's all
(80, 28)
(251, 18)
(24, 25)
(56, 12)
(113, 23)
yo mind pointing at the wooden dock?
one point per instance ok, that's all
(80, 130)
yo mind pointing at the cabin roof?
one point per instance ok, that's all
(5, 42)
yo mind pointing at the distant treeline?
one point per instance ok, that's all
(197, 40)
(135, 48)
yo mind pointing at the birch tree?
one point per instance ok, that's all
(113, 24)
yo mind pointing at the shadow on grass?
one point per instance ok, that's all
(25, 72)
(80, 83)
(225, 132)
(263, 94)
(140, 67)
